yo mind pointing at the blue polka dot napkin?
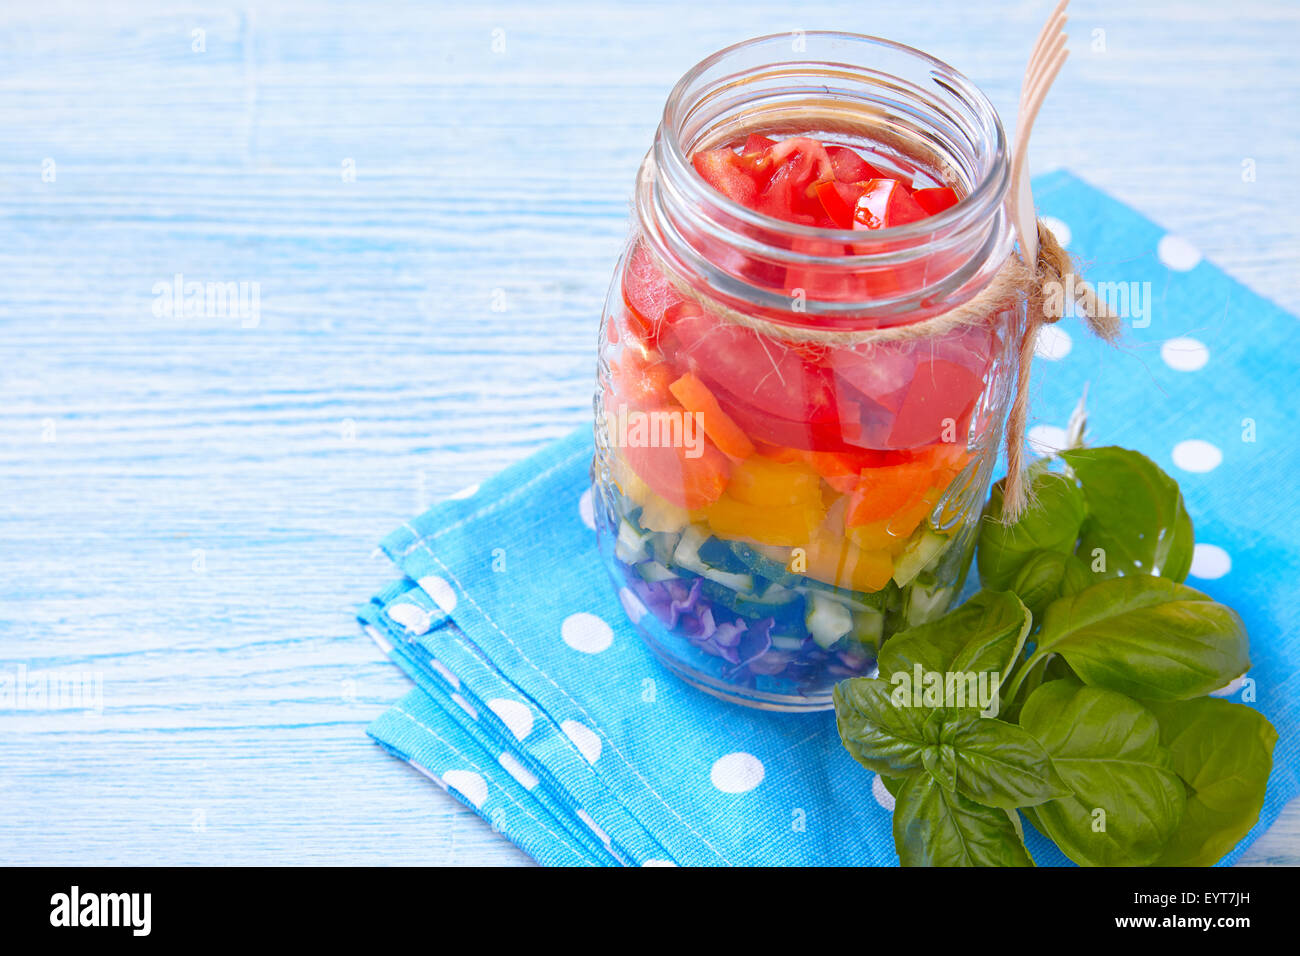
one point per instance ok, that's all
(537, 705)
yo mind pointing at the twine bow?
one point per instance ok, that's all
(1055, 270)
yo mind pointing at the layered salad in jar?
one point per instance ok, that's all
(775, 508)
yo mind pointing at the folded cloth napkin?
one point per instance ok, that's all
(538, 706)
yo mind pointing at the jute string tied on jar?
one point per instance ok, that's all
(1043, 289)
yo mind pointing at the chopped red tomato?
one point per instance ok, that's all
(938, 400)
(935, 200)
(804, 435)
(765, 373)
(798, 163)
(640, 382)
(674, 475)
(839, 200)
(873, 424)
(880, 372)
(809, 152)
(849, 167)
(723, 170)
(886, 203)
(647, 294)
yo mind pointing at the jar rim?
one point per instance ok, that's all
(985, 196)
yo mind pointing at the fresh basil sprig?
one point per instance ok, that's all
(1098, 660)
(990, 761)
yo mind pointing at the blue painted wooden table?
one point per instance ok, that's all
(429, 200)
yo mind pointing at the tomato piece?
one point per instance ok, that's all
(786, 195)
(722, 169)
(849, 167)
(839, 200)
(754, 160)
(886, 203)
(919, 385)
(790, 434)
(828, 282)
(641, 383)
(881, 492)
(935, 200)
(798, 163)
(647, 294)
(696, 398)
(941, 395)
(672, 474)
(880, 372)
(810, 153)
(972, 348)
(763, 373)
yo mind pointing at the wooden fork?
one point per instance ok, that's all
(1045, 63)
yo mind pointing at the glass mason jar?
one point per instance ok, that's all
(782, 482)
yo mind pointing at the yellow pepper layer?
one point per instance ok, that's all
(761, 481)
(842, 563)
(786, 525)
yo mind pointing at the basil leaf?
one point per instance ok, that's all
(1136, 514)
(1043, 669)
(1146, 637)
(983, 636)
(889, 739)
(1038, 582)
(936, 827)
(1057, 668)
(1051, 522)
(1127, 800)
(1076, 576)
(998, 764)
(1223, 751)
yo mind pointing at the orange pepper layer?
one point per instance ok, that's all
(698, 400)
(904, 493)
